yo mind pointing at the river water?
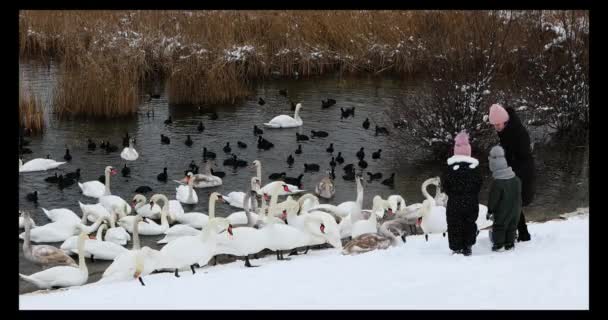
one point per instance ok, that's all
(562, 174)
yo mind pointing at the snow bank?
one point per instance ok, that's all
(549, 272)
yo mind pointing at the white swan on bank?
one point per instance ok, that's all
(266, 189)
(199, 220)
(96, 189)
(133, 264)
(38, 164)
(285, 121)
(149, 227)
(129, 153)
(197, 249)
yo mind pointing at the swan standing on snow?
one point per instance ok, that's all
(43, 255)
(96, 189)
(191, 250)
(62, 276)
(38, 164)
(186, 194)
(129, 153)
(433, 218)
(133, 264)
(285, 121)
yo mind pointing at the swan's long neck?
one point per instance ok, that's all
(190, 189)
(246, 202)
(99, 235)
(259, 172)
(107, 192)
(274, 197)
(425, 185)
(359, 200)
(306, 197)
(27, 247)
(164, 212)
(383, 230)
(254, 201)
(212, 199)
(136, 244)
(94, 226)
(81, 263)
(141, 204)
(296, 114)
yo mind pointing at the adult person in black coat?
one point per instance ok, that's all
(461, 181)
(515, 140)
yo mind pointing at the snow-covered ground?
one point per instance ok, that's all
(549, 272)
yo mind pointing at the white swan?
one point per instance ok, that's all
(397, 203)
(190, 250)
(266, 189)
(129, 153)
(61, 214)
(236, 198)
(62, 276)
(242, 241)
(362, 226)
(115, 234)
(315, 228)
(433, 218)
(178, 231)
(379, 205)
(285, 121)
(186, 194)
(38, 164)
(43, 255)
(96, 189)
(415, 210)
(94, 211)
(142, 207)
(60, 231)
(199, 220)
(331, 231)
(95, 248)
(149, 228)
(133, 264)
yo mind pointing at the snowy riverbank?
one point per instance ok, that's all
(549, 272)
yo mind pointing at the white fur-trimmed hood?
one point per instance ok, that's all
(459, 158)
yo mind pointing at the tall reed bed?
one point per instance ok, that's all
(213, 56)
(31, 112)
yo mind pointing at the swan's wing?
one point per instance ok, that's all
(282, 119)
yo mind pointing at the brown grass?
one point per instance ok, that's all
(189, 47)
(31, 113)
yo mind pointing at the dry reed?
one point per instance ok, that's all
(31, 113)
(212, 56)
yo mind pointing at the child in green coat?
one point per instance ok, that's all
(504, 203)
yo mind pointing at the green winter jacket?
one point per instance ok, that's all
(505, 198)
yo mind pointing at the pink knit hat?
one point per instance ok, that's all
(461, 144)
(498, 114)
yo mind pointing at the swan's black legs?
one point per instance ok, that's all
(247, 263)
(444, 234)
(307, 247)
(283, 258)
(176, 274)
(293, 252)
(92, 258)
(192, 268)
(403, 238)
(141, 281)
(426, 236)
(278, 255)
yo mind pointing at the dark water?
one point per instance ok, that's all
(562, 175)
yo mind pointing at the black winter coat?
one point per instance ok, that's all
(515, 140)
(462, 184)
